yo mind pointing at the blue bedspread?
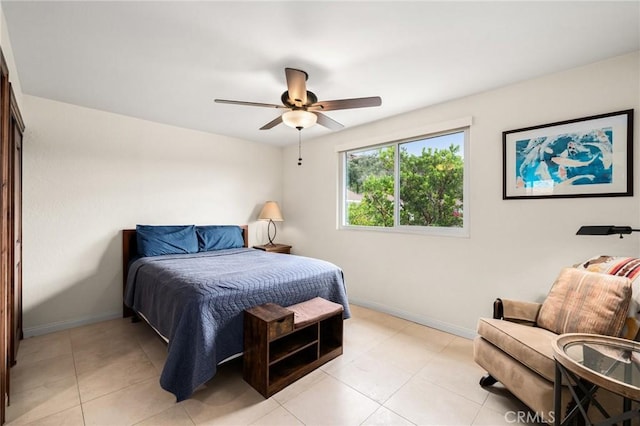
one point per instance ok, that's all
(197, 301)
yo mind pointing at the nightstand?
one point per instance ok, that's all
(276, 248)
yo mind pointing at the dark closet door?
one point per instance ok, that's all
(11, 130)
(16, 128)
(5, 236)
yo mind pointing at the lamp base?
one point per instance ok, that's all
(275, 231)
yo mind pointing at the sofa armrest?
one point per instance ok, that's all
(516, 311)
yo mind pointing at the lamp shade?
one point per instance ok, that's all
(271, 211)
(605, 230)
(299, 118)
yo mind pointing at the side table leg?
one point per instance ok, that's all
(557, 397)
(626, 402)
(626, 407)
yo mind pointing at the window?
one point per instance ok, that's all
(370, 187)
(414, 184)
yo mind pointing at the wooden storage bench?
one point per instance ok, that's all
(282, 345)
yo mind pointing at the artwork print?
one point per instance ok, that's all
(585, 157)
(566, 159)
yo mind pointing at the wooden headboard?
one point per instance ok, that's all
(130, 249)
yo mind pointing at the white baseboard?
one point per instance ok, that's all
(429, 322)
(64, 325)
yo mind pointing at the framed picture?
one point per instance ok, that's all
(584, 157)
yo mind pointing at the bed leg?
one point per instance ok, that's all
(135, 318)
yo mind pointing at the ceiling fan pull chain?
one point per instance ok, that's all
(299, 146)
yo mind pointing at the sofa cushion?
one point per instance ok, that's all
(529, 345)
(586, 302)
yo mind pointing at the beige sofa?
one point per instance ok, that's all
(515, 346)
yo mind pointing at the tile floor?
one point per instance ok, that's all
(392, 372)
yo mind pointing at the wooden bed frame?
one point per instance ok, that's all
(130, 248)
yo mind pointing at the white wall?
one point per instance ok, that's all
(88, 174)
(7, 51)
(516, 247)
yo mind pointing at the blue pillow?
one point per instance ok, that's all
(219, 237)
(158, 240)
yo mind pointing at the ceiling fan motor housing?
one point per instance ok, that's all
(297, 103)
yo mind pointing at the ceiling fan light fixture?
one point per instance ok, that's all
(299, 118)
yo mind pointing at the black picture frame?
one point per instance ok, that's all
(583, 157)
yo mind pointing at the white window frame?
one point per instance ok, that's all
(434, 130)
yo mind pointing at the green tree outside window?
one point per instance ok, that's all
(430, 182)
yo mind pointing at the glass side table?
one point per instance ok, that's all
(589, 362)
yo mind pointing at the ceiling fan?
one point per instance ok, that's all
(304, 108)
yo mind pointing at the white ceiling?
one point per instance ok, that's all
(166, 61)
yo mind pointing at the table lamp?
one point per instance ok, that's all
(271, 212)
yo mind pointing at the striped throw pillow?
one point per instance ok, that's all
(586, 302)
(623, 267)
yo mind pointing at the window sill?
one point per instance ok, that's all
(416, 230)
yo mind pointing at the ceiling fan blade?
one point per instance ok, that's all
(297, 86)
(258, 104)
(272, 123)
(346, 104)
(327, 122)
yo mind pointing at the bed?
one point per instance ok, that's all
(195, 301)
